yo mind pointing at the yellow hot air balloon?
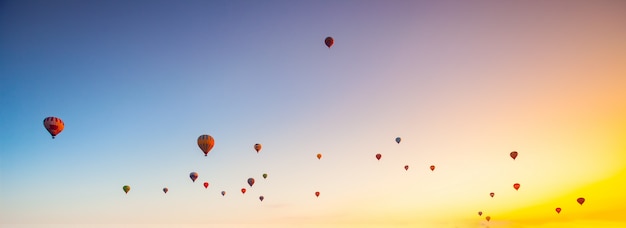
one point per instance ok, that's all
(206, 142)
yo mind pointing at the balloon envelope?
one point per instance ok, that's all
(126, 188)
(558, 210)
(516, 186)
(251, 181)
(243, 191)
(54, 125)
(514, 154)
(257, 147)
(491, 194)
(206, 143)
(480, 213)
(378, 156)
(406, 167)
(432, 168)
(317, 194)
(319, 156)
(580, 200)
(488, 218)
(265, 176)
(398, 140)
(193, 176)
(165, 190)
(329, 41)
(261, 198)
(223, 193)
(206, 184)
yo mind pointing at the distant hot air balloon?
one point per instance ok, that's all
(206, 184)
(406, 167)
(580, 200)
(378, 156)
(398, 140)
(558, 210)
(516, 186)
(126, 188)
(165, 190)
(265, 176)
(329, 41)
(317, 194)
(223, 193)
(193, 176)
(251, 181)
(319, 156)
(261, 198)
(243, 191)
(206, 142)
(480, 213)
(54, 125)
(514, 154)
(432, 168)
(488, 218)
(491, 194)
(257, 147)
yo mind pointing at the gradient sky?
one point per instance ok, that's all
(463, 83)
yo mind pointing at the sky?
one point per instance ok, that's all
(463, 83)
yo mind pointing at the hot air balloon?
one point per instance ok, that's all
(514, 154)
(406, 167)
(126, 188)
(206, 184)
(558, 210)
(193, 176)
(257, 147)
(251, 181)
(491, 194)
(317, 194)
(265, 176)
(516, 186)
(488, 218)
(480, 213)
(329, 41)
(432, 168)
(378, 156)
(261, 198)
(165, 190)
(54, 125)
(206, 142)
(223, 193)
(580, 200)
(319, 156)
(398, 140)
(243, 191)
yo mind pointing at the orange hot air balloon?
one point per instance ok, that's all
(165, 190)
(491, 194)
(261, 198)
(432, 168)
(206, 143)
(378, 156)
(329, 41)
(257, 147)
(406, 167)
(206, 184)
(580, 200)
(251, 181)
(488, 218)
(319, 156)
(516, 186)
(558, 210)
(514, 154)
(193, 176)
(223, 193)
(54, 125)
(317, 194)
(480, 213)
(243, 191)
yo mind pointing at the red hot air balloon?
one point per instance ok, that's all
(317, 194)
(206, 184)
(257, 147)
(243, 191)
(378, 156)
(329, 41)
(165, 190)
(514, 155)
(480, 213)
(488, 218)
(193, 176)
(206, 143)
(492, 194)
(251, 181)
(558, 210)
(406, 167)
(261, 198)
(432, 168)
(580, 200)
(516, 186)
(54, 125)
